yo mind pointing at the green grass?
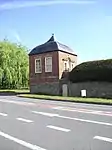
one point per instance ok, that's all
(14, 91)
(72, 99)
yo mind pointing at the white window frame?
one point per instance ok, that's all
(48, 65)
(67, 65)
(38, 71)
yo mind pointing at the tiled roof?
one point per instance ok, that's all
(50, 46)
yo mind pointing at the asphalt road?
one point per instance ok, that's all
(28, 124)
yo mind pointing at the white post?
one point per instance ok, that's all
(83, 93)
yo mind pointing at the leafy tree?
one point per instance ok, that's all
(13, 65)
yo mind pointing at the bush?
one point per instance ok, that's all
(100, 70)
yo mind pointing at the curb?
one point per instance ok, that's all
(97, 103)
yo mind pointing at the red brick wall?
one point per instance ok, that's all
(57, 67)
(43, 77)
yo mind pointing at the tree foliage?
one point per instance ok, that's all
(13, 65)
(100, 70)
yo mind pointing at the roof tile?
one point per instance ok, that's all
(50, 46)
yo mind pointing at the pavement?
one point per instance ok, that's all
(30, 124)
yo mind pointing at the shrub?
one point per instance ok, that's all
(100, 70)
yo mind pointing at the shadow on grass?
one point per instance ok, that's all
(10, 93)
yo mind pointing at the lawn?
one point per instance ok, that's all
(69, 99)
(14, 91)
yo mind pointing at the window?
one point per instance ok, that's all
(48, 64)
(38, 65)
(72, 66)
(65, 66)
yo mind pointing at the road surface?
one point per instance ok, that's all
(28, 124)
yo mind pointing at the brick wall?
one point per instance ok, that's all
(47, 83)
(57, 67)
(36, 78)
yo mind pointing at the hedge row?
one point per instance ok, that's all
(100, 70)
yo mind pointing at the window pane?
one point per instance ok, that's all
(48, 64)
(65, 66)
(38, 67)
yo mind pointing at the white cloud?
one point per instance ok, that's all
(15, 34)
(22, 4)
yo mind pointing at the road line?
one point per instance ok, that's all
(58, 107)
(76, 119)
(46, 114)
(17, 102)
(58, 128)
(21, 142)
(94, 112)
(88, 121)
(25, 120)
(3, 114)
(103, 139)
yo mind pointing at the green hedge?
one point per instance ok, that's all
(100, 70)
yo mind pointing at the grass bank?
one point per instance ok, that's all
(14, 91)
(69, 99)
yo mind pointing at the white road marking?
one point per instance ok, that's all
(58, 128)
(16, 102)
(2, 114)
(103, 139)
(94, 112)
(88, 121)
(58, 107)
(81, 105)
(25, 120)
(21, 142)
(46, 114)
(76, 119)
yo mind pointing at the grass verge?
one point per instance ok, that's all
(69, 99)
(16, 91)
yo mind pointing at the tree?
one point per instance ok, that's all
(13, 65)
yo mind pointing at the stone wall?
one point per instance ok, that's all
(46, 88)
(93, 89)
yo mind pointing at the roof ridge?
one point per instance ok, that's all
(52, 45)
(51, 39)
